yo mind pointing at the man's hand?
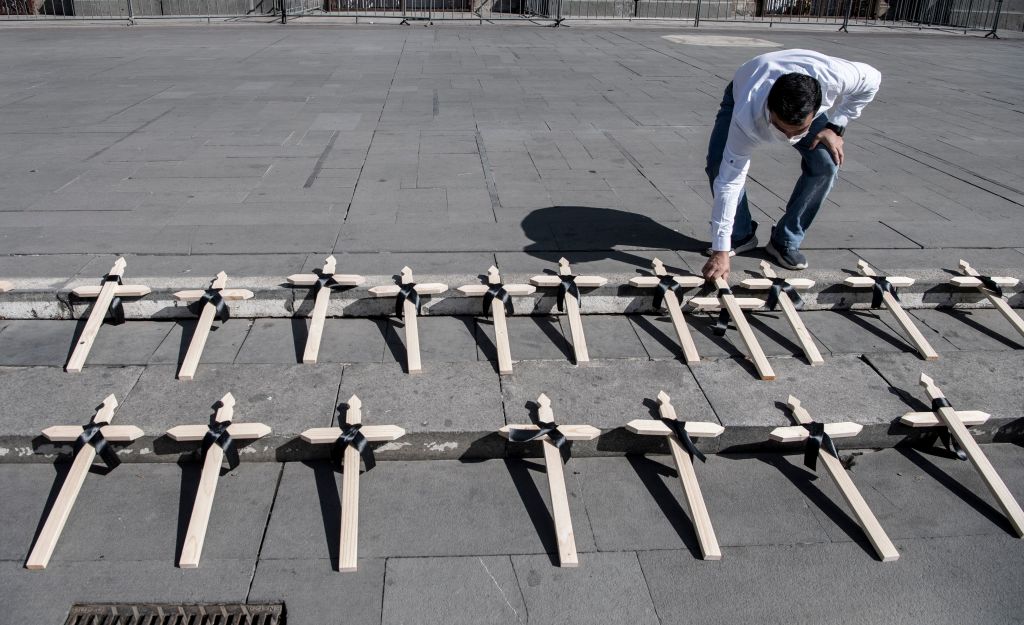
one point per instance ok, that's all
(717, 266)
(832, 142)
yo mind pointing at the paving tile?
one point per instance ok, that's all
(343, 340)
(310, 588)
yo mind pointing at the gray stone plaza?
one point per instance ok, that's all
(258, 150)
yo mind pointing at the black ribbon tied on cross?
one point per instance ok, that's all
(218, 435)
(816, 441)
(407, 292)
(91, 435)
(567, 285)
(497, 292)
(116, 307)
(882, 285)
(212, 296)
(352, 437)
(991, 285)
(723, 314)
(679, 429)
(942, 432)
(549, 429)
(666, 284)
(780, 286)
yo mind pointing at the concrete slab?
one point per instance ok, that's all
(289, 399)
(458, 590)
(986, 566)
(222, 344)
(661, 341)
(151, 505)
(605, 394)
(343, 340)
(450, 410)
(612, 336)
(530, 338)
(47, 596)
(442, 340)
(473, 509)
(311, 589)
(866, 332)
(32, 403)
(749, 408)
(50, 343)
(972, 330)
(606, 588)
(970, 380)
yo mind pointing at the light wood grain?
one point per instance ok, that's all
(373, 433)
(120, 290)
(764, 368)
(807, 344)
(198, 343)
(1000, 304)
(696, 429)
(571, 432)
(929, 420)
(316, 326)
(349, 545)
(796, 433)
(981, 463)
(564, 536)
(92, 328)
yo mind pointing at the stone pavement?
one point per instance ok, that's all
(470, 542)
(258, 150)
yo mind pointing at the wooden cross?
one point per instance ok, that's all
(683, 452)
(215, 305)
(783, 292)
(956, 422)
(825, 450)
(498, 301)
(667, 286)
(217, 442)
(407, 305)
(731, 306)
(569, 293)
(354, 438)
(5, 286)
(90, 440)
(553, 437)
(992, 288)
(885, 292)
(108, 297)
(323, 282)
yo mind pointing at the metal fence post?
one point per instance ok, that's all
(995, 21)
(696, 18)
(284, 12)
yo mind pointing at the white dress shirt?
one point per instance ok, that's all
(845, 85)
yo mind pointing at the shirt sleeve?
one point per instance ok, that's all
(728, 187)
(860, 84)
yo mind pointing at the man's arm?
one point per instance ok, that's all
(727, 188)
(860, 84)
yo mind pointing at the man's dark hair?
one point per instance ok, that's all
(793, 97)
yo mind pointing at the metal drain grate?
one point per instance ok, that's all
(176, 614)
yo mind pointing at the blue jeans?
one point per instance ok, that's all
(819, 174)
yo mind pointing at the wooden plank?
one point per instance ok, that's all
(195, 536)
(865, 282)
(675, 313)
(764, 369)
(583, 282)
(198, 344)
(696, 429)
(972, 282)
(796, 433)
(647, 282)
(913, 333)
(5, 286)
(121, 290)
(807, 343)
(571, 432)
(501, 338)
(564, 536)
(1001, 305)
(92, 328)
(349, 545)
(712, 303)
(112, 433)
(861, 511)
(373, 433)
(412, 337)
(764, 283)
(709, 546)
(929, 420)
(230, 295)
(579, 341)
(981, 463)
(478, 290)
(43, 548)
(316, 326)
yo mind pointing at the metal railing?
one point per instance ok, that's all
(952, 14)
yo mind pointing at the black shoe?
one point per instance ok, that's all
(745, 244)
(786, 257)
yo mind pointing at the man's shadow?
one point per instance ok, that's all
(600, 232)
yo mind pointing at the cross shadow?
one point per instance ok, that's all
(190, 475)
(602, 230)
(964, 317)
(300, 334)
(519, 470)
(933, 471)
(330, 505)
(804, 480)
(651, 473)
(860, 318)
